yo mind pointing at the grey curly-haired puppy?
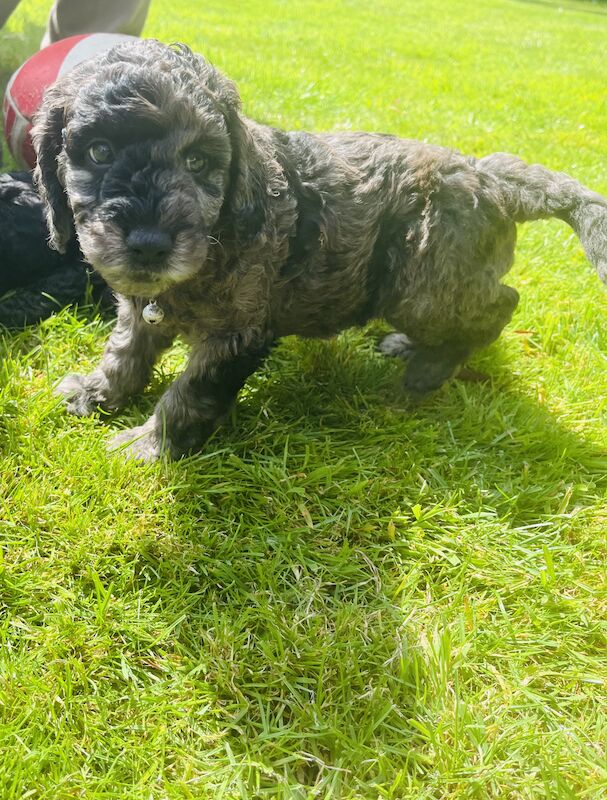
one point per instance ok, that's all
(233, 234)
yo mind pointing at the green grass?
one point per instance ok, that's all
(343, 596)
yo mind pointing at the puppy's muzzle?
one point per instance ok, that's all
(149, 247)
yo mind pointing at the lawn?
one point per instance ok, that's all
(343, 595)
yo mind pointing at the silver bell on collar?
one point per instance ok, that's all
(152, 313)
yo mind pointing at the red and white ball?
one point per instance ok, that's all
(27, 85)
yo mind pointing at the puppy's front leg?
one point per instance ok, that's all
(189, 410)
(125, 368)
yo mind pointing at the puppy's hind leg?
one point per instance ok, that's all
(430, 365)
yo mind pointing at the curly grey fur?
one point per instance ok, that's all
(278, 233)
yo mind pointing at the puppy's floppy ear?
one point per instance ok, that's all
(246, 203)
(47, 135)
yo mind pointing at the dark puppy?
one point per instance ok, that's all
(236, 234)
(34, 279)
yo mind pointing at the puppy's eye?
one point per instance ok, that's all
(101, 153)
(195, 162)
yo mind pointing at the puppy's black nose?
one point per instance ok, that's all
(149, 246)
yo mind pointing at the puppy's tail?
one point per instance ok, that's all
(531, 192)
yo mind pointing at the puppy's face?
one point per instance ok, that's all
(144, 160)
(144, 192)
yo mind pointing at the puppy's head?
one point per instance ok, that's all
(142, 151)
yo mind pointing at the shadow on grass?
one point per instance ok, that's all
(467, 436)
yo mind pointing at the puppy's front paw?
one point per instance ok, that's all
(80, 397)
(140, 442)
